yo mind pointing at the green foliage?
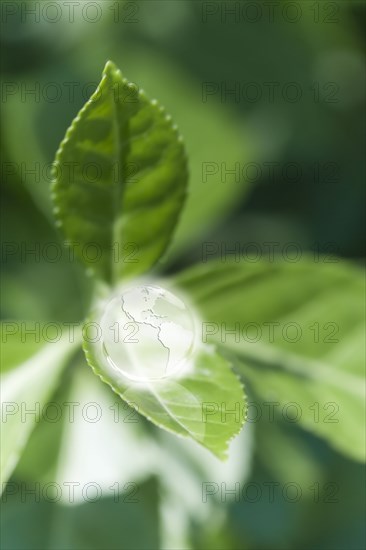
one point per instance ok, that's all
(118, 126)
(25, 385)
(249, 140)
(139, 160)
(300, 356)
(111, 132)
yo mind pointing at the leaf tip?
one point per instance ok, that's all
(110, 69)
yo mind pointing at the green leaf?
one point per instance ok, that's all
(322, 371)
(128, 207)
(25, 388)
(198, 404)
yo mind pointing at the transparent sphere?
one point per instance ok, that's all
(147, 333)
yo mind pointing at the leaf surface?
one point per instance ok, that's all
(297, 333)
(120, 180)
(25, 388)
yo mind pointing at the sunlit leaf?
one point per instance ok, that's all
(128, 180)
(297, 335)
(30, 373)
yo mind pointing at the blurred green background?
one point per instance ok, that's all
(177, 50)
